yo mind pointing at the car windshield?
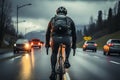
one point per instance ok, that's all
(22, 41)
(115, 41)
(90, 42)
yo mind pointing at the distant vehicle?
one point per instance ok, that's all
(21, 45)
(36, 43)
(90, 45)
(111, 46)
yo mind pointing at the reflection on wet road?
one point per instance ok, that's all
(27, 65)
(84, 66)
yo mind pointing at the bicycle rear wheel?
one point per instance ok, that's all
(61, 69)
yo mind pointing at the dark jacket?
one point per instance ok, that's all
(49, 32)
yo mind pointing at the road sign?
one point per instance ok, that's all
(87, 38)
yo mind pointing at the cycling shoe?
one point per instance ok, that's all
(67, 64)
(53, 76)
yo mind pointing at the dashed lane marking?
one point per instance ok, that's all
(67, 76)
(115, 62)
(96, 57)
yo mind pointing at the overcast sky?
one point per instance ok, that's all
(40, 12)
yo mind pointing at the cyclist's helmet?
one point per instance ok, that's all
(61, 10)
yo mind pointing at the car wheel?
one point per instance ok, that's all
(14, 52)
(83, 49)
(108, 53)
(39, 46)
(95, 50)
(104, 53)
(17, 51)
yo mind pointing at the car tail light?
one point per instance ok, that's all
(32, 43)
(95, 44)
(110, 44)
(39, 43)
(86, 44)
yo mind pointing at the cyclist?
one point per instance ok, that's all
(61, 29)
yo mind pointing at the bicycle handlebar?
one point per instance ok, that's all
(73, 52)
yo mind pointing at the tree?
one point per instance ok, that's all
(91, 27)
(85, 31)
(110, 14)
(99, 21)
(111, 27)
(118, 8)
(79, 35)
(118, 17)
(5, 17)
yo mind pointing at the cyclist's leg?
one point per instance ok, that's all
(67, 51)
(54, 56)
(54, 60)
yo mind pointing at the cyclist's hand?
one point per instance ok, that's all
(47, 47)
(74, 52)
(73, 46)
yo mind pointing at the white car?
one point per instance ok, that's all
(21, 45)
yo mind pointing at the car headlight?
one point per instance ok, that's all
(27, 46)
(14, 45)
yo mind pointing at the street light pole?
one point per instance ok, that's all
(18, 7)
(17, 21)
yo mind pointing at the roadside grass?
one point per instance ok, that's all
(102, 40)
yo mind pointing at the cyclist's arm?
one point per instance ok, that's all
(73, 33)
(48, 32)
(73, 37)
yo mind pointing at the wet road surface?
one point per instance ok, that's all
(86, 65)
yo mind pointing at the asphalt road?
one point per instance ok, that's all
(86, 65)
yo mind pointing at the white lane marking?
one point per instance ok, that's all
(12, 59)
(67, 76)
(96, 57)
(17, 57)
(114, 62)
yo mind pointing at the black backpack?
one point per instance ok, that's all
(60, 25)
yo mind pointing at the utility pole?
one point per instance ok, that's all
(18, 7)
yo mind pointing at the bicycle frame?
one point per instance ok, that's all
(60, 64)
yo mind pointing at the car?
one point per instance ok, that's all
(21, 45)
(90, 45)
(111, 46)
(36, 43)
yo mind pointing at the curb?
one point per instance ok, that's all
(3, 51)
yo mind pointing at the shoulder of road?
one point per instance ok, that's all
(2, 51)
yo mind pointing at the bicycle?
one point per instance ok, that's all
(60, 63)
